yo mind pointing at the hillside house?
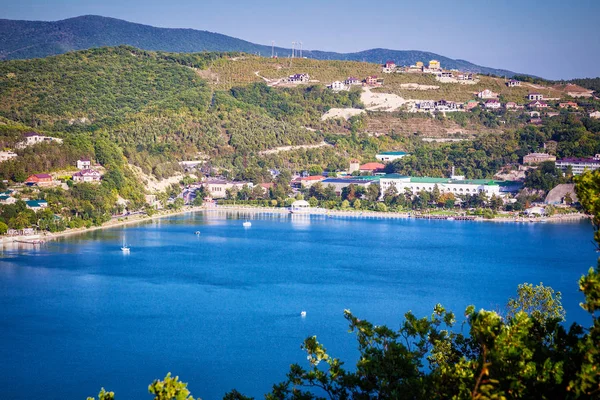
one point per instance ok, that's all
(471, 104)
(84, 163)
(535, 96)
(537, 104)
(492, 104)
(444, 105)
(7, 155)
(465, 77)
(7, 199)
(299, 78)
(87, 175)
(352, 81)
(337, 85)
(594, 114)
(513, 83)
(388, 67)
(426, 105)
(435, 64)
(36, 205)
(536, 158)
(446, 74)
(32, 138)
(487, 94)
(568, 104)
(373, 81)
(40, 180)
(511, 105)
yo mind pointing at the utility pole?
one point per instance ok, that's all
(272, 49)
(293, 48)
(300, 49)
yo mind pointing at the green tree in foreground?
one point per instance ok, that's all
(170, 389)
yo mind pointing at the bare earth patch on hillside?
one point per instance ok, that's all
(416, 86)
(344, 113)
(154, 185)
(381, 101)
(290, 148)
(426, 127)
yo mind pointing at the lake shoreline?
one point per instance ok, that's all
(136, 219)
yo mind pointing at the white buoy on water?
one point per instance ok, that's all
(303, 313)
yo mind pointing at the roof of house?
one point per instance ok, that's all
(4, 197)
(31, 134)
(580, 160)
(313, 178)
(353, 180)
(392, 153)
(372, 166)
(86, 172)
(492, 101)
(35, 203)
(85, 159)
(42, 176)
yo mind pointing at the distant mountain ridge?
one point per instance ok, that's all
(35, 39)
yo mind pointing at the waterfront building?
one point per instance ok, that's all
(340, 183)
(445, 185)
(218, 187)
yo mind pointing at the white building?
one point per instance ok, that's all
(352, 81)
(579, 165)
(535, 96)
(389, 156)
(445, 185)
(513, 83)
(31, 138)
(337, 85)
(7, 155)
(487, 94)
(218, 187)
(299, 78)
(595, 114)
(493, 104)
(84, 163)
(87, 175)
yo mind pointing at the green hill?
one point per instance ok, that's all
(31, 39)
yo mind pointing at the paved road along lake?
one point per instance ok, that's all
(222, 309)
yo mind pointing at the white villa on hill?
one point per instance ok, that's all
(487, 94)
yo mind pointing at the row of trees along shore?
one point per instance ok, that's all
(527, 352)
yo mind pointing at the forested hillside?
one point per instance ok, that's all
(30, 39)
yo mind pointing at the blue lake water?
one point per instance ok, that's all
(222, 310)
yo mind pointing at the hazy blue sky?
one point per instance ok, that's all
(551, 38)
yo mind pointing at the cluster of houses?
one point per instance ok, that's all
(85, 174)
(9, 197)
(370, 80)
(28, 139)
(434, 67)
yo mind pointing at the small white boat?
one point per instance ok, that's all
(197, 233)
(303, 313)
(247, 224)
(125, 248)
(450, 219)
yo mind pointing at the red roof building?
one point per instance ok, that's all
(372, 167)
(40, 180)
